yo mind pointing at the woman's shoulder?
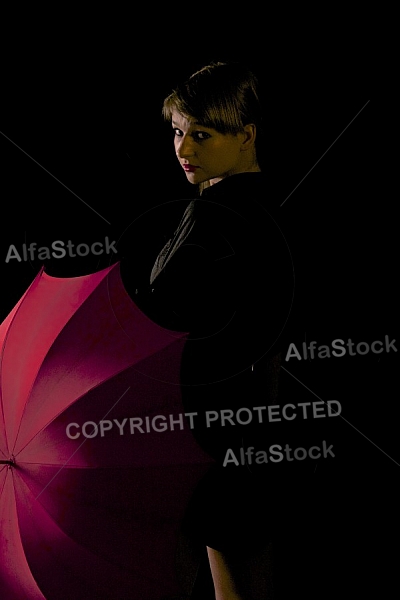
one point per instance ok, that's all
(239, 183)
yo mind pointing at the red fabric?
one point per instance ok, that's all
(90, 517)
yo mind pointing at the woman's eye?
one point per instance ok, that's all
(201, 135)
(197, 135)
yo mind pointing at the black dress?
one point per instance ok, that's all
(226, 277)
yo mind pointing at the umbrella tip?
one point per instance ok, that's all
(10, 462)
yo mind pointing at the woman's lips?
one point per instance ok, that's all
(190, 168)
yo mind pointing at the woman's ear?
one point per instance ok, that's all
(249, 136)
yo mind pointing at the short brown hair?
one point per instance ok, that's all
(222, 95)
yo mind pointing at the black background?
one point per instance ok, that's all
(85, 154)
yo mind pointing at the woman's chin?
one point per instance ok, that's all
(193, 178)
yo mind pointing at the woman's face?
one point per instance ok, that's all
(204, 153)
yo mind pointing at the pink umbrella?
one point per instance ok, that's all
(97, 459)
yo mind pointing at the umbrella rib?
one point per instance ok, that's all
(21, 301)
(2, 487)
(39, 276)
(73, 369)
(80, 446)
(2, 410)
(82, 545)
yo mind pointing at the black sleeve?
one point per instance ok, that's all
(188, 288)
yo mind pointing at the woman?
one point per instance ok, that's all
(226, 277)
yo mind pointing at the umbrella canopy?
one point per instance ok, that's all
(97, 459)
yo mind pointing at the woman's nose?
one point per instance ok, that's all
(185, 147)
